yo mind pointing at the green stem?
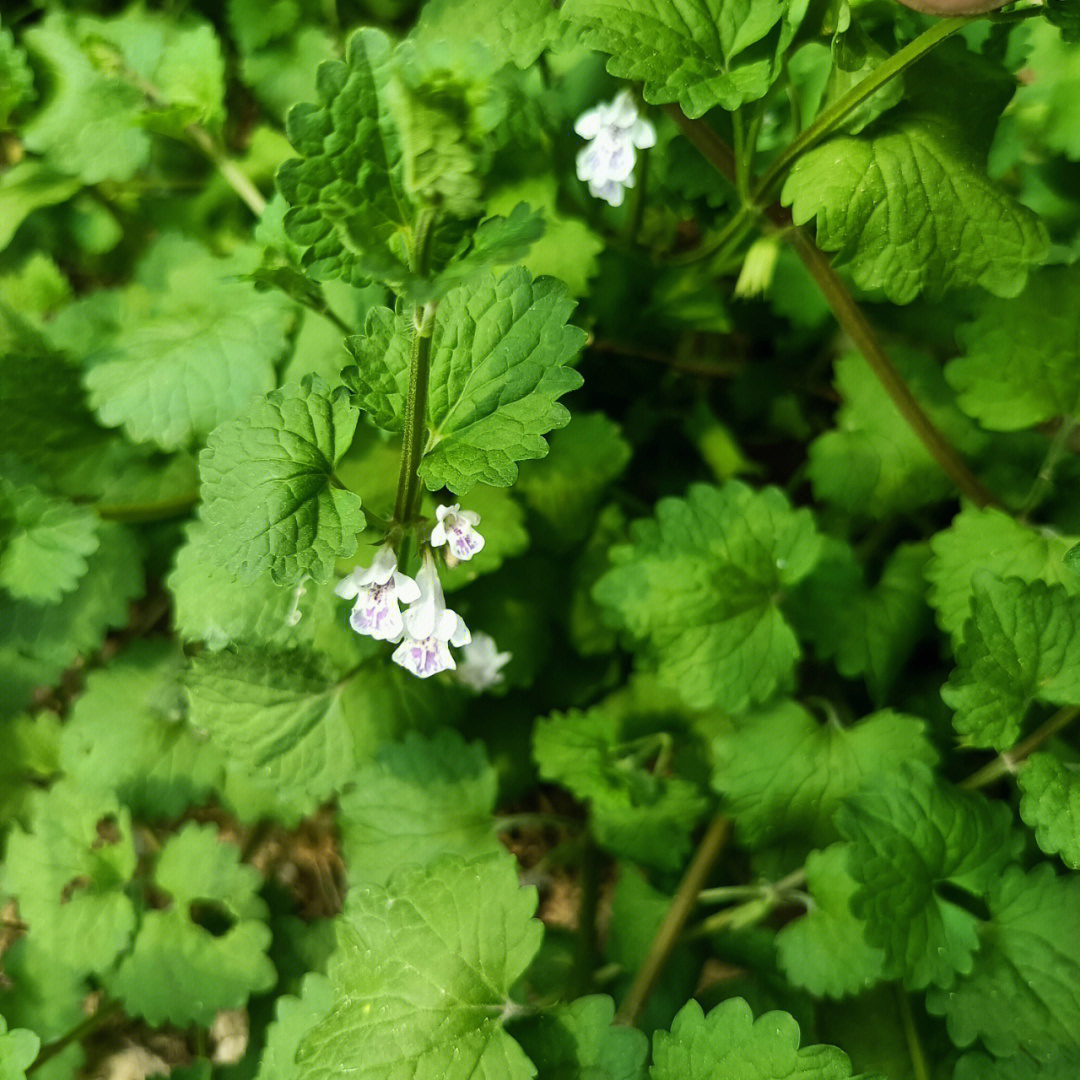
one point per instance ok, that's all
(133, 513)
(854, 322)
(412, 446)
(764, 900)
(103, 1015)
(680, 909)
(585, 943)
(726, 893)
(1005, 764)
(1044, 481)
(919, 1067)
(230, 171)
(827, 121)
(503, 823)
(203, 141)
(848, 314)
(742, 181)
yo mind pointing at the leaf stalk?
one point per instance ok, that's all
(682, 905)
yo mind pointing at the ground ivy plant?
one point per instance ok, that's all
(540, 539)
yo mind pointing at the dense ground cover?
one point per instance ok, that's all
(539, 540)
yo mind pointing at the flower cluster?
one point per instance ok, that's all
(426, 629)
(615, 133)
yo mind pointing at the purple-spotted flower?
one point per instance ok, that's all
(457, 529)
(481, 663)
(430, 627)
(615, 133)
(378, 590)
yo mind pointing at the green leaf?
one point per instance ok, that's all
(126, 732)
(38, 643)
(268, 485)
(1021, 995)
(55, 439)
(499, 357)
(178, 55)
(16, 81)
(702, 584)
(1020, 645)
(520, 31)
(294, 1018)
(564, 489)
(18, 1049)
(823, 951)
(783, 774)
(577, 1041)
(496, 241)
(907, 205)
(215, 608)
(68, 873)
(26, 187)
(914, 840)
(283, 716)
(88, 124)
(415, 801)
(422, 976)
(348, 206)
(1021, 1067)
(1019, 371)
(498, 367)
(178, 971)
(1050, 804)
(183, 348)
(867, 630)
(991, 540)
(44, 544)
(730, 1042)
(604, 756)
(873, 463)
(700, 53)
(1044, 107)
(568, 249)
(31, 759)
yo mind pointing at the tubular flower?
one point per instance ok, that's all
(430, 628)
(456, 528)
(482, 663)
(378, 590)
(615, 133)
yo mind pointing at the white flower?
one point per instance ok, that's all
(615, 132)
(482, 663)
(430, 626)
(378, 591)
(456, 528)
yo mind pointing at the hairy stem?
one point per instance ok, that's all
(848, 314)
(671, 928)
(412, 446)
(1006, 763)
